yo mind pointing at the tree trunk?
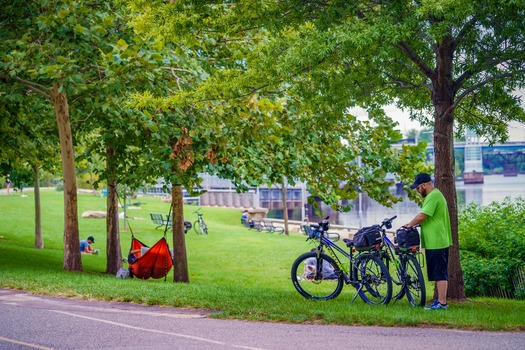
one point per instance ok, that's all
(113, 251)
(285, 207)
(39, 239)
(180, 263)
(72, 260)
(443, 99)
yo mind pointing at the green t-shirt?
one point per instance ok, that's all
(435, 230)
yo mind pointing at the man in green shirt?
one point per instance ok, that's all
(436, 236)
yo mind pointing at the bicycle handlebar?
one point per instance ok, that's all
(388, 222)
(323, 226)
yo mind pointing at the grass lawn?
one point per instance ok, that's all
(240, 273)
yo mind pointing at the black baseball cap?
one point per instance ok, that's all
(421, 179)
(91, 238)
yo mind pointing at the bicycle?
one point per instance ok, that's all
(200, 226)
(407, 273)
(317, 275)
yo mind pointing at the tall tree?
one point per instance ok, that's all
(115, 132)
(38, 34)
(54, 49)
(446, 62)
(28, 140)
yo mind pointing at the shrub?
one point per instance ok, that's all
(492, 245)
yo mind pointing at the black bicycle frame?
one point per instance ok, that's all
(325, 242)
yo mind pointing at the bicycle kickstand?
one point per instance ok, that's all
(357, 292)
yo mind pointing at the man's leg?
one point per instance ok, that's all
(442, 287)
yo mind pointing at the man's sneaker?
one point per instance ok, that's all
(436, 305)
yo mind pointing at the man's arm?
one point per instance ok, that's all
(88, 249)
(417, 220)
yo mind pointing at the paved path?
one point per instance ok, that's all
(35, 322)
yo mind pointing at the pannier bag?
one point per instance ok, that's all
(407, 237)
(367, 237)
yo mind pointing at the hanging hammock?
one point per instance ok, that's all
(156, 262)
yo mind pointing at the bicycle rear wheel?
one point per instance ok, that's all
(374, 282)
(414, 281)
(313, 282)
(197, 227)
(204, 228)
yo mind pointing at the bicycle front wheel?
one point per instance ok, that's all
(374, 284)
(317, 278)
(414, 281)
(197, 227)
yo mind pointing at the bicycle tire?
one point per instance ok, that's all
(197, 227)
(398, 292)
(374, 281)
(312, 285)
(414, 281)
(204, 227)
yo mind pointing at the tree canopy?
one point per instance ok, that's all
(446, 62)
(286, 120)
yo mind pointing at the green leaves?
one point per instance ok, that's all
(492, 238)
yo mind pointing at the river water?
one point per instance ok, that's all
(494, 188)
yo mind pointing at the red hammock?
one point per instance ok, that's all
(155, 263)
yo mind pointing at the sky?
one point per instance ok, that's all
(402, 118)
(396, 114)
(516, 129)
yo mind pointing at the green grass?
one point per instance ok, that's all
(236, 272)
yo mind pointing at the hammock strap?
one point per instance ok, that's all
(127, 221)
(166, 230)
(169, 217)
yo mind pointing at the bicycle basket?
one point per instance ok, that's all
(407, 237)
(367, 238)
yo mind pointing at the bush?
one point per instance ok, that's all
(492, 245)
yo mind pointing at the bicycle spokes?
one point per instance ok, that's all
(314, 277)
(375, 281)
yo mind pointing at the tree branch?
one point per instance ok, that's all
(479, 85)
(416, 59)
(82, 120)
(42, 90)
(468, 26)
(406, 84)
(469, 73)
(173, 69)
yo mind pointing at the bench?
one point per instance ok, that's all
(270, 226)
(159, 220)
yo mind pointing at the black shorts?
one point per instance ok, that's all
(437, 264)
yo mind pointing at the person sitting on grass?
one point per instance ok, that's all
(246, 220)
(85, 246)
